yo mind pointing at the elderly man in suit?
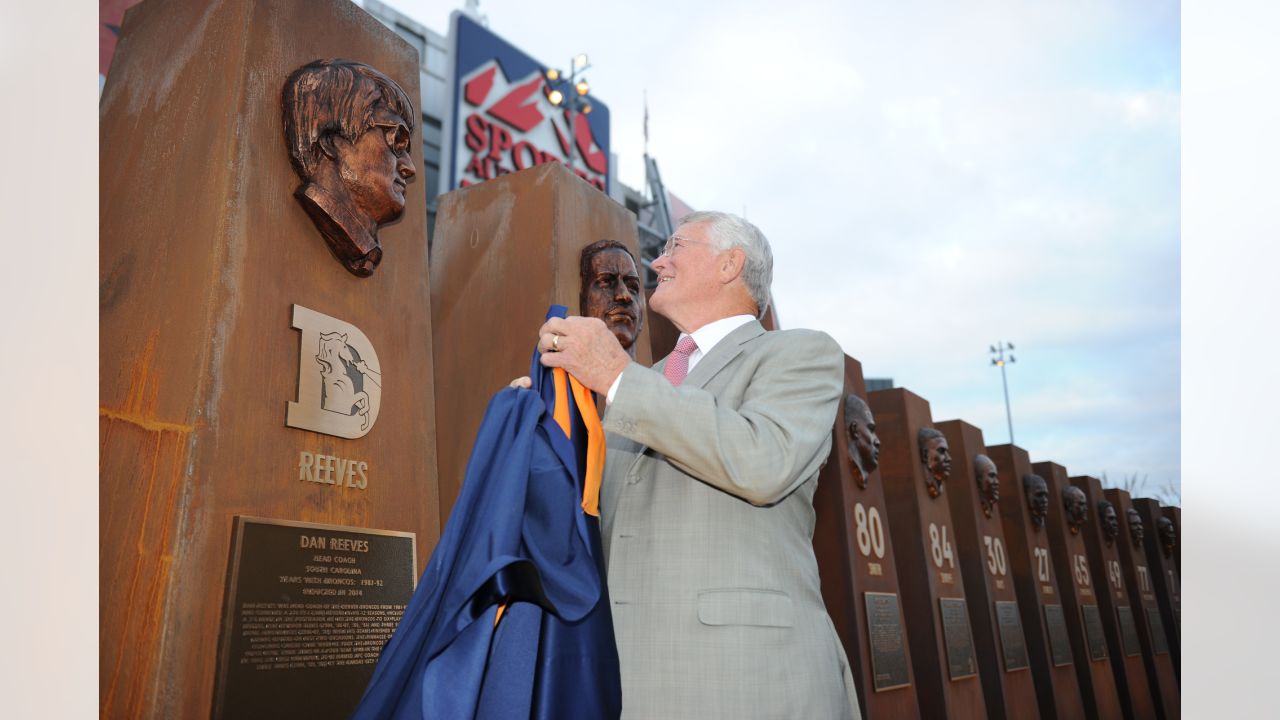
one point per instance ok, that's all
(707, 500)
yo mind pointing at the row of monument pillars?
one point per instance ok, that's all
(953, 601)
(988, 581)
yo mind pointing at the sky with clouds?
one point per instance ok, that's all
(933, 177)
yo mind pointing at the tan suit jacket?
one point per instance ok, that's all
(707, 516)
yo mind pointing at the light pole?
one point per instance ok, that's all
(997, 352)
(571, 93)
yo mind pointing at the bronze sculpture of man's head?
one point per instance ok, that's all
(936, 456)
(984, 471)
(1168, 535)
(860, 431)
(1076, 506)
(348, 128)
(1109, 520)
(610, 290)
(1136, 530)
(1037, 492)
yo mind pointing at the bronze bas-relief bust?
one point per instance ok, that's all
(1168, 535)
(1109, 520)
(1076, 506)
(936, 456)
(1136, 530)
(860, 432)
(1037, 492)
(610, 290)
(348, 129)
(985, 472)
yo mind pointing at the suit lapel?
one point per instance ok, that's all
(723, 353)
(711, 363)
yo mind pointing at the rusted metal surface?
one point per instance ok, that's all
(1036, 582)
(1103, 539)
(1080, 582)
(1161, 546)
(504, 251)
(203, 250)
(855, 553)
(928, 558)
(1139, 579)
(974, 495)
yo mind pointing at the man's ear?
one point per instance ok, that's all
(731, 265)
(327, 147)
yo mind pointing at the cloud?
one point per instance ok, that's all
(933, 178)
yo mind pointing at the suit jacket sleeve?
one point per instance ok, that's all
(759, 449)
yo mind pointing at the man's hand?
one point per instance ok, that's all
(585, 348)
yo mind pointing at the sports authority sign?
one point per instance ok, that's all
(500, 120)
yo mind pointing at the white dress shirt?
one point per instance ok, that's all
(706, 337)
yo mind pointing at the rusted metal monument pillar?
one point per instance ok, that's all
(267, 420)
(504, 250)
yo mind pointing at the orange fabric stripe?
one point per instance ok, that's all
(498, 616)
(561, 410)
(595, 434)
(595, 448)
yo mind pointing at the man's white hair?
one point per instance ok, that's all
(729, 231)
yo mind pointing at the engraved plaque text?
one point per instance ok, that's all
(1128, 631)
(888, 653)
(1011, 638)
(1093, 633)
(1159, 641)
(1059, 644)
(958, 638)
(308, 609)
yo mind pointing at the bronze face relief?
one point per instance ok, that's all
(1109, 520)
(936, 456)
(988, 483)
(1037, 492)
(864, 444)
(610, 290)
(1076, 506)
(348, 129)
(1168, 535)
(1135, 527)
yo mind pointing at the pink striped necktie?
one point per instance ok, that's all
(677, 366)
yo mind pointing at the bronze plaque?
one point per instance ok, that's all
(1059, 644)
(308, 609)
(1093, 633)
(1159, 641)
(959, 640)
(1011, 637)
(884, 630)
(1128, 631)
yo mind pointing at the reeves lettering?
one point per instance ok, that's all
(332, 470)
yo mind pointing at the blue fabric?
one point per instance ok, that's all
(517, 532)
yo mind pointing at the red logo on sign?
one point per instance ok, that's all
(511, 126)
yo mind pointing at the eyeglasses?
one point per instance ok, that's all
(396, 135)
(677, 243)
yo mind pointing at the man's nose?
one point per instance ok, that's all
(404, 166)
(659, 264)
(621, 293)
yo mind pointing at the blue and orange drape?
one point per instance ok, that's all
(511, 618)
